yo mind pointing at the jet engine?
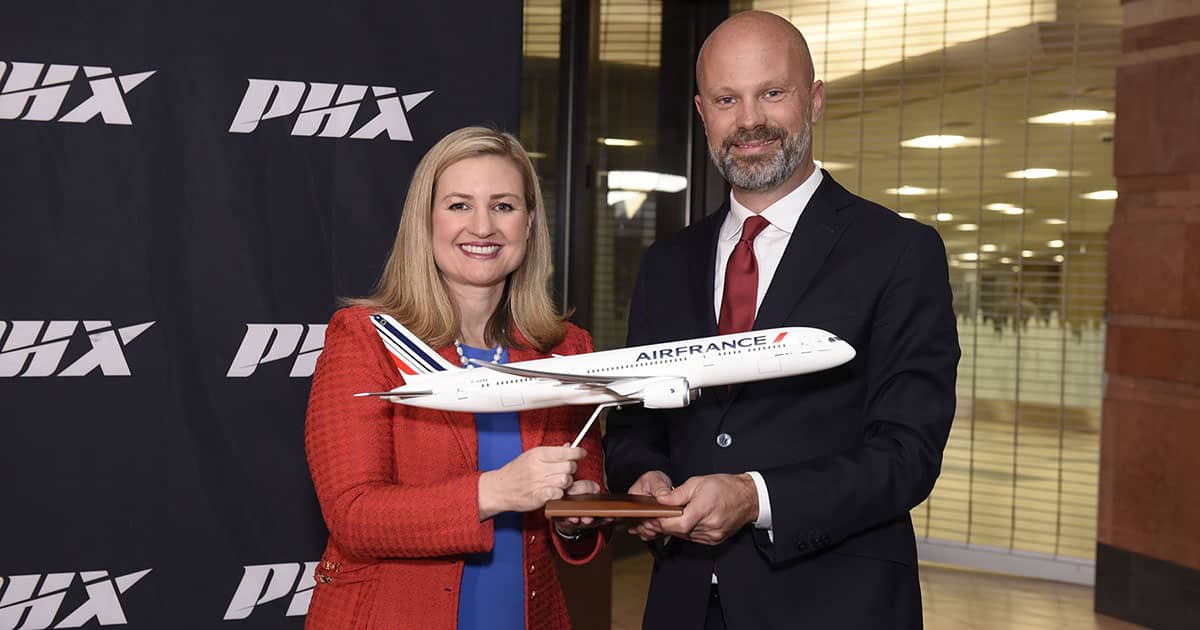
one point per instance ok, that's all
(668, 393)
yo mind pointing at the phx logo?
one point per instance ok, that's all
(36, 347)
(33, 602)
(31, 91)
(265, 343)
(323, 115)
(264, 583)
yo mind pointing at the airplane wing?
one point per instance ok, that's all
(628, 387)
(416, 394)
(625, 386)
(565, 377)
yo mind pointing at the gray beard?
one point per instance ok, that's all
(766, 173)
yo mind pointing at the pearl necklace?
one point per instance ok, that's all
(462, 358)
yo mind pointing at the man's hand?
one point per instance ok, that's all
(714, 507)
(654, 483)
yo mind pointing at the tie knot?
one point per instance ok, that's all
(752, 227)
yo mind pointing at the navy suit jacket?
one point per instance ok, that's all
(845, 453)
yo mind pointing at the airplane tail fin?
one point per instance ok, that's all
(411, 355)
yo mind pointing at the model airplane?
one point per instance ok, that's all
(659, 376)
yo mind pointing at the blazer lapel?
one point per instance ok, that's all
(462, 424)
(532, 421)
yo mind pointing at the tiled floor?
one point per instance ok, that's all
(953, 599)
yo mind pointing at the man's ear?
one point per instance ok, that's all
(700, 111)
(817, 99)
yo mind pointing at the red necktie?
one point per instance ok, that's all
(740, 296)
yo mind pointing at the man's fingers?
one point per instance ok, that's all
(679, 496)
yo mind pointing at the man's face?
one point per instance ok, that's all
(758, 108)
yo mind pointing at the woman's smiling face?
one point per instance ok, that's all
(480, 222)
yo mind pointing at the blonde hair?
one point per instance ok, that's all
(412, 289)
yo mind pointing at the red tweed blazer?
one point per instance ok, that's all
(399, 487)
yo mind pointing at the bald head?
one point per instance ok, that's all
(755, 29)
(758, 100)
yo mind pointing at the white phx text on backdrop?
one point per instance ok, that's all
(659, 376)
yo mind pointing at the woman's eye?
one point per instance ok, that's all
(504, 207)
(458, 205)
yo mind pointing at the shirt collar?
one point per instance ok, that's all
(782, 214)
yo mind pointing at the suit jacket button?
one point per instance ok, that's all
(724, 440)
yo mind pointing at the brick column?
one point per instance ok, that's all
(1148, 553)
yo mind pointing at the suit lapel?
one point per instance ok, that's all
(818, 230)
(704, 249)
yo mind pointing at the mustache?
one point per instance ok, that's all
(761, 133)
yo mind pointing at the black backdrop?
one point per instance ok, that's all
(147, 238)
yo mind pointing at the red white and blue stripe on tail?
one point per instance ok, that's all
(411, 355)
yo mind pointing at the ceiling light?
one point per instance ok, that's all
(1102, 195)
(1006, 261)
(1056, 221)
(619, 142)
(941, 142)
(1006, 208)
(966, 227)
(944, 216)
(1034, 173)
(912, 190)
(908, 215)
(1059, 258)
(1056, 243)
(1074, 117)
(987, 247)
(534, 155)
(969, 256)
(646, 181)
(1026, 253)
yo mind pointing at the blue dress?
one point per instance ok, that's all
(493, 584)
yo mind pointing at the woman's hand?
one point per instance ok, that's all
(526, 483)
(573, 525)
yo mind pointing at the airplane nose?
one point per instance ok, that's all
(845, 351)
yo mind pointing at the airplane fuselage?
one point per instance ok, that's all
(661, 375)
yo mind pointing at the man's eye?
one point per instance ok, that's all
(774, 93)
(725, 100)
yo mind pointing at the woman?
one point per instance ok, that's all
(434, 517)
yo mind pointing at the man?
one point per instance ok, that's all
(796, 491)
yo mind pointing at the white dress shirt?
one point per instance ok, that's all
(768, 251)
